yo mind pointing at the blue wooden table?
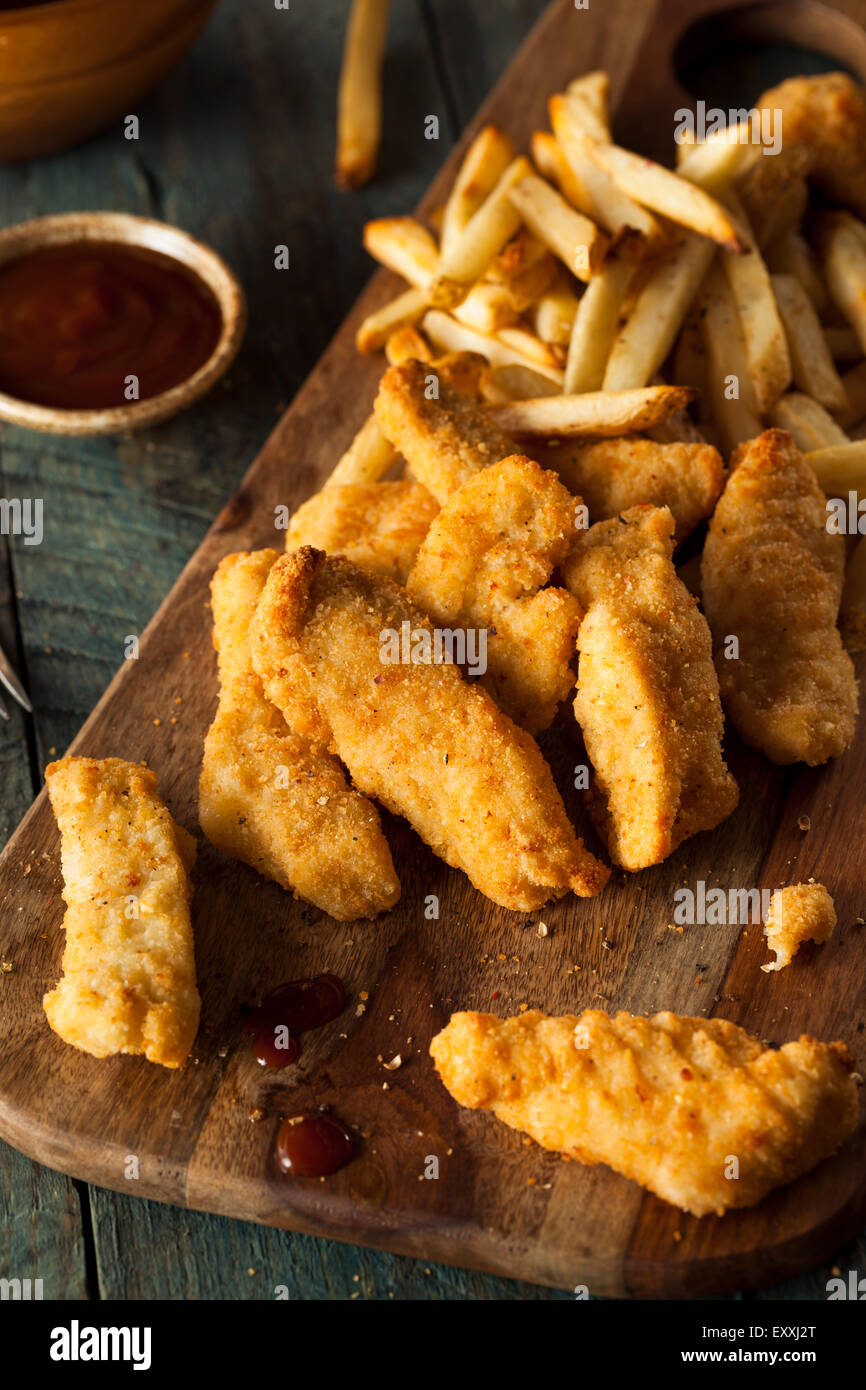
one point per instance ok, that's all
(237, 147)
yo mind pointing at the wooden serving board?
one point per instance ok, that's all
(497, 1204)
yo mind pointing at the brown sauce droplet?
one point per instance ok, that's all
(313, 1146)
(289, 1010)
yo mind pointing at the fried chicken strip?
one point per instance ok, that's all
(647, 693)
(772, 578)
(274, 798)
(667, 1101)
(128, 967)
(378, 525)
(616, 474)
(801, 912)
(826, 114)
(413, 733)
(483, 564)
(444, 438)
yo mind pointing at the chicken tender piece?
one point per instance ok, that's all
(482, 565)
(616, 474)
(413, 733)
(444, 440)
(378, 525)
(274, 798)
(666, 1101)
(826, 114)
(801, 912)
(647, 693)
(772, 577)
(128, 967)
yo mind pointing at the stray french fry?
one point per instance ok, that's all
(730, 392)
(485, 233)
(808, 422)
(675, 198)
(407, 342)
(602, 413)
(766, 344)
(593, 191)
(811, 363)
(359, 100)
(398, 313)
(485, 162)
(367, 459)
(843, 250)
(648, 334)
(572, 237)
(451, 336)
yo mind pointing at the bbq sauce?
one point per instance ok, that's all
(289, 1010)
(96, 324)
(313, 1146)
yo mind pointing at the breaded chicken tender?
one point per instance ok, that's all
(274, 798)
(667, 1101)
(801, 912)
(482, 565)
(444, 439)
(772, 578)
(826, 114)
(616, 474)
(430, 746)
(128, 967)
(647, 693)
(378, 525)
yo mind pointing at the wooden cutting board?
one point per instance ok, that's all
(497, 1203)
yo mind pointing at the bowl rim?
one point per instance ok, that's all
(74, 228)
(20, 14)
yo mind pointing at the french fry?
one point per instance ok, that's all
(843, 344)
(843, 255)
(593, 191)
(451, 336)
(487, 307)
(690, 359)
(367, 459)
(399, 313)
(790, 255)
(524, 268)
(499, 385)
(596, 324)
(730, 392)
(716, 162)
(676, 198)
(554, 313)
(602, 413)
(593, 89)
(407, 342)
(807, 421)
(648, 334)
(854, 386)
(551, 162)
(485, 233)
(483, 165)
(841, 468)
(587, 115)
(852, 614)
(766, 343)
(462, 370)
(359, 98)
(404, 246)
(577, 241)
(529, 345)
(812, 366)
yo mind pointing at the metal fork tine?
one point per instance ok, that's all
(9, 679)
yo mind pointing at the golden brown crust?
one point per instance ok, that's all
(694, 1109)
(647, 693)
(378, 525)
(801, 912)
(772, 578)
(427, 744)
(483, 564)
(444, 439)
(128, 968)
(827, 115)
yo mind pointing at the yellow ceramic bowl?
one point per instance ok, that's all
(75, 227)
(70, 67)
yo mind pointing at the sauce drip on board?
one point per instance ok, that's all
(289, 1010)
(78, 321)
(313, 1146)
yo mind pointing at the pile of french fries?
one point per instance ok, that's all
(599, 293)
